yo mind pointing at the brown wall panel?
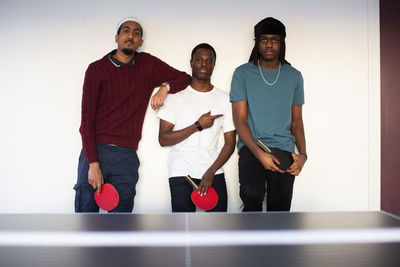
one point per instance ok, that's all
(390, 105)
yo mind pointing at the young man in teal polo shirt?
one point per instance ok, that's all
(267, 97)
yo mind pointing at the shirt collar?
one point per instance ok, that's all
(116, 62)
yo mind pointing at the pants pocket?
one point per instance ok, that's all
(77, 196)
(84, 198)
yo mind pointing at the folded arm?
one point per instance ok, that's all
(168, 137)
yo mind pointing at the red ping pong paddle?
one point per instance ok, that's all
(108, 198)
(205, 202)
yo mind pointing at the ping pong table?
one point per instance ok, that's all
(201, 239)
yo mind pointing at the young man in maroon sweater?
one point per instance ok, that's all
(116, 92)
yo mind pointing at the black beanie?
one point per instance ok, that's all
(270, 26)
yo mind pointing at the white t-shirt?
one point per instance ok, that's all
(197, 153)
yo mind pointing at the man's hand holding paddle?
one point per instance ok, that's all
(206, 181)
(268, 160)
(95, 177)
(206, 201)
(207, 120)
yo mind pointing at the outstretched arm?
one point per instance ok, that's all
(297, 129)
(239, 110)
(225, 153)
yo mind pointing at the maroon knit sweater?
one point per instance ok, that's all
(115, 100)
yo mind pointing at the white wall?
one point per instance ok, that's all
(47, 45)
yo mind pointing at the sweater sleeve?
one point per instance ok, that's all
(90, 97)
(162, 72)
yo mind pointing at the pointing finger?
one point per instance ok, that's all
(217, 116)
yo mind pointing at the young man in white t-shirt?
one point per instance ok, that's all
(190, 122)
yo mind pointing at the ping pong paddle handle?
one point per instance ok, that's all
(263, 147)
(191, 181)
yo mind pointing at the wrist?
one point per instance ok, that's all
(94, 165)
(209, 175)
(212, 170)
(165, 85)
(259, 153)
(303, 154)
(198, 126)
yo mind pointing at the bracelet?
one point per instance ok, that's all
(198, 126)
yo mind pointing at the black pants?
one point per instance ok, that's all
(181, 191)
(252, 178)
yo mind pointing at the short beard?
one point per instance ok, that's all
(127, 51)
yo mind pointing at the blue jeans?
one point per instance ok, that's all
(181, 191)
(119, 166)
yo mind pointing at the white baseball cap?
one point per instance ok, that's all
(129, 19)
